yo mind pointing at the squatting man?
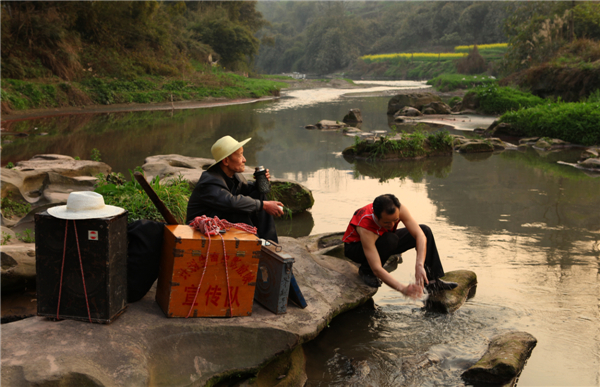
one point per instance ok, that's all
(373, 236)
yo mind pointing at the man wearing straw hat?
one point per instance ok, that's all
(224, 192)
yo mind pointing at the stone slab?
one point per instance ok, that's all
(143, 347)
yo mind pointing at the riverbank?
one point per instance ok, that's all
(130, 107)
(209, 102)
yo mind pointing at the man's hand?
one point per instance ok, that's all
(413, 291)
(273, 208)
(420, 275)
(268, 175)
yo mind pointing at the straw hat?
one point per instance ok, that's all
(84, 205)
(224, 147)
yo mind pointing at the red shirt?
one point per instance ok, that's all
(365, 218)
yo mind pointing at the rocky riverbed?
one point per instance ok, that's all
(142, 346)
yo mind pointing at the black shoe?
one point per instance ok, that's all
(440, 285)
(369, 278)
(392, 262)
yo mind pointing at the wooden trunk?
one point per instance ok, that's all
(103, 247)
(184, 255)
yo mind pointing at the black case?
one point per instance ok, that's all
(104, 266)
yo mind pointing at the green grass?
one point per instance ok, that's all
(449, 82)
(207, 82)
(27, 236)
(573, 122)
(132, 197)
(12, 208)
(499, 100)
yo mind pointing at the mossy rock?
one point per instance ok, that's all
(504, 359)
(450, 300)
(501, 129)
(470, 101)
(543, 144)
(287, 370)
(294, 196)
(354, 115)
(416, 100)
(591, 163)
(476, 147)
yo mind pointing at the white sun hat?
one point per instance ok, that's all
(224, 147)
(85, 205)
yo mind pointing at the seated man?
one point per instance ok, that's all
(372, 237)
(222, 191)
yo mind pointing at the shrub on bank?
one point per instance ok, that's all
(573, 122)
(450, 82)
(498, 100)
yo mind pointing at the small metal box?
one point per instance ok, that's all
(103, 247)
(273, 280)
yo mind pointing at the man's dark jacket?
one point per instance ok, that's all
(213, 197)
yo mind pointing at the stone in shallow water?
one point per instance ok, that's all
(504, 359)
(450, 300)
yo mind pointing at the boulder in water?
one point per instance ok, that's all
(504, 359)
(450, 300)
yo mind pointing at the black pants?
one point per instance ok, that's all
(398, 242)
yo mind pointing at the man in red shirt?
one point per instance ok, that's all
(373, 236)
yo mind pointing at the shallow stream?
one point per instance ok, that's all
(529, 228)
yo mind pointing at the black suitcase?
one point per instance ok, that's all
(103, 247)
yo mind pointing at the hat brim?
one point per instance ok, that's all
(107, 211)
(231, 151)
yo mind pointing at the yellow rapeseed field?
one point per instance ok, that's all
(460, 51)
(414, 56)
(481, 47)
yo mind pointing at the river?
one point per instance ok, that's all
(527, 226)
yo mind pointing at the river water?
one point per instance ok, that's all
(527, 226)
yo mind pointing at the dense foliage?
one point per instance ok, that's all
(324, 37)
(537, 30)
(74, 40)
(573, 122)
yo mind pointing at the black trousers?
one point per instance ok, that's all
(398, 242)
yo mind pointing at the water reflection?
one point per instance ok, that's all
(416, 170)
(529, 228)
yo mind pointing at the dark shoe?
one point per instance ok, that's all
(392, 262)
(369, 278)
(440, 285)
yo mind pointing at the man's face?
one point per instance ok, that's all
(236, 162)
(388, 221)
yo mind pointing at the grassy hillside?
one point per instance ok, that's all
(76, 53)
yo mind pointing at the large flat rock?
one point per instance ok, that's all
(144, 348)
